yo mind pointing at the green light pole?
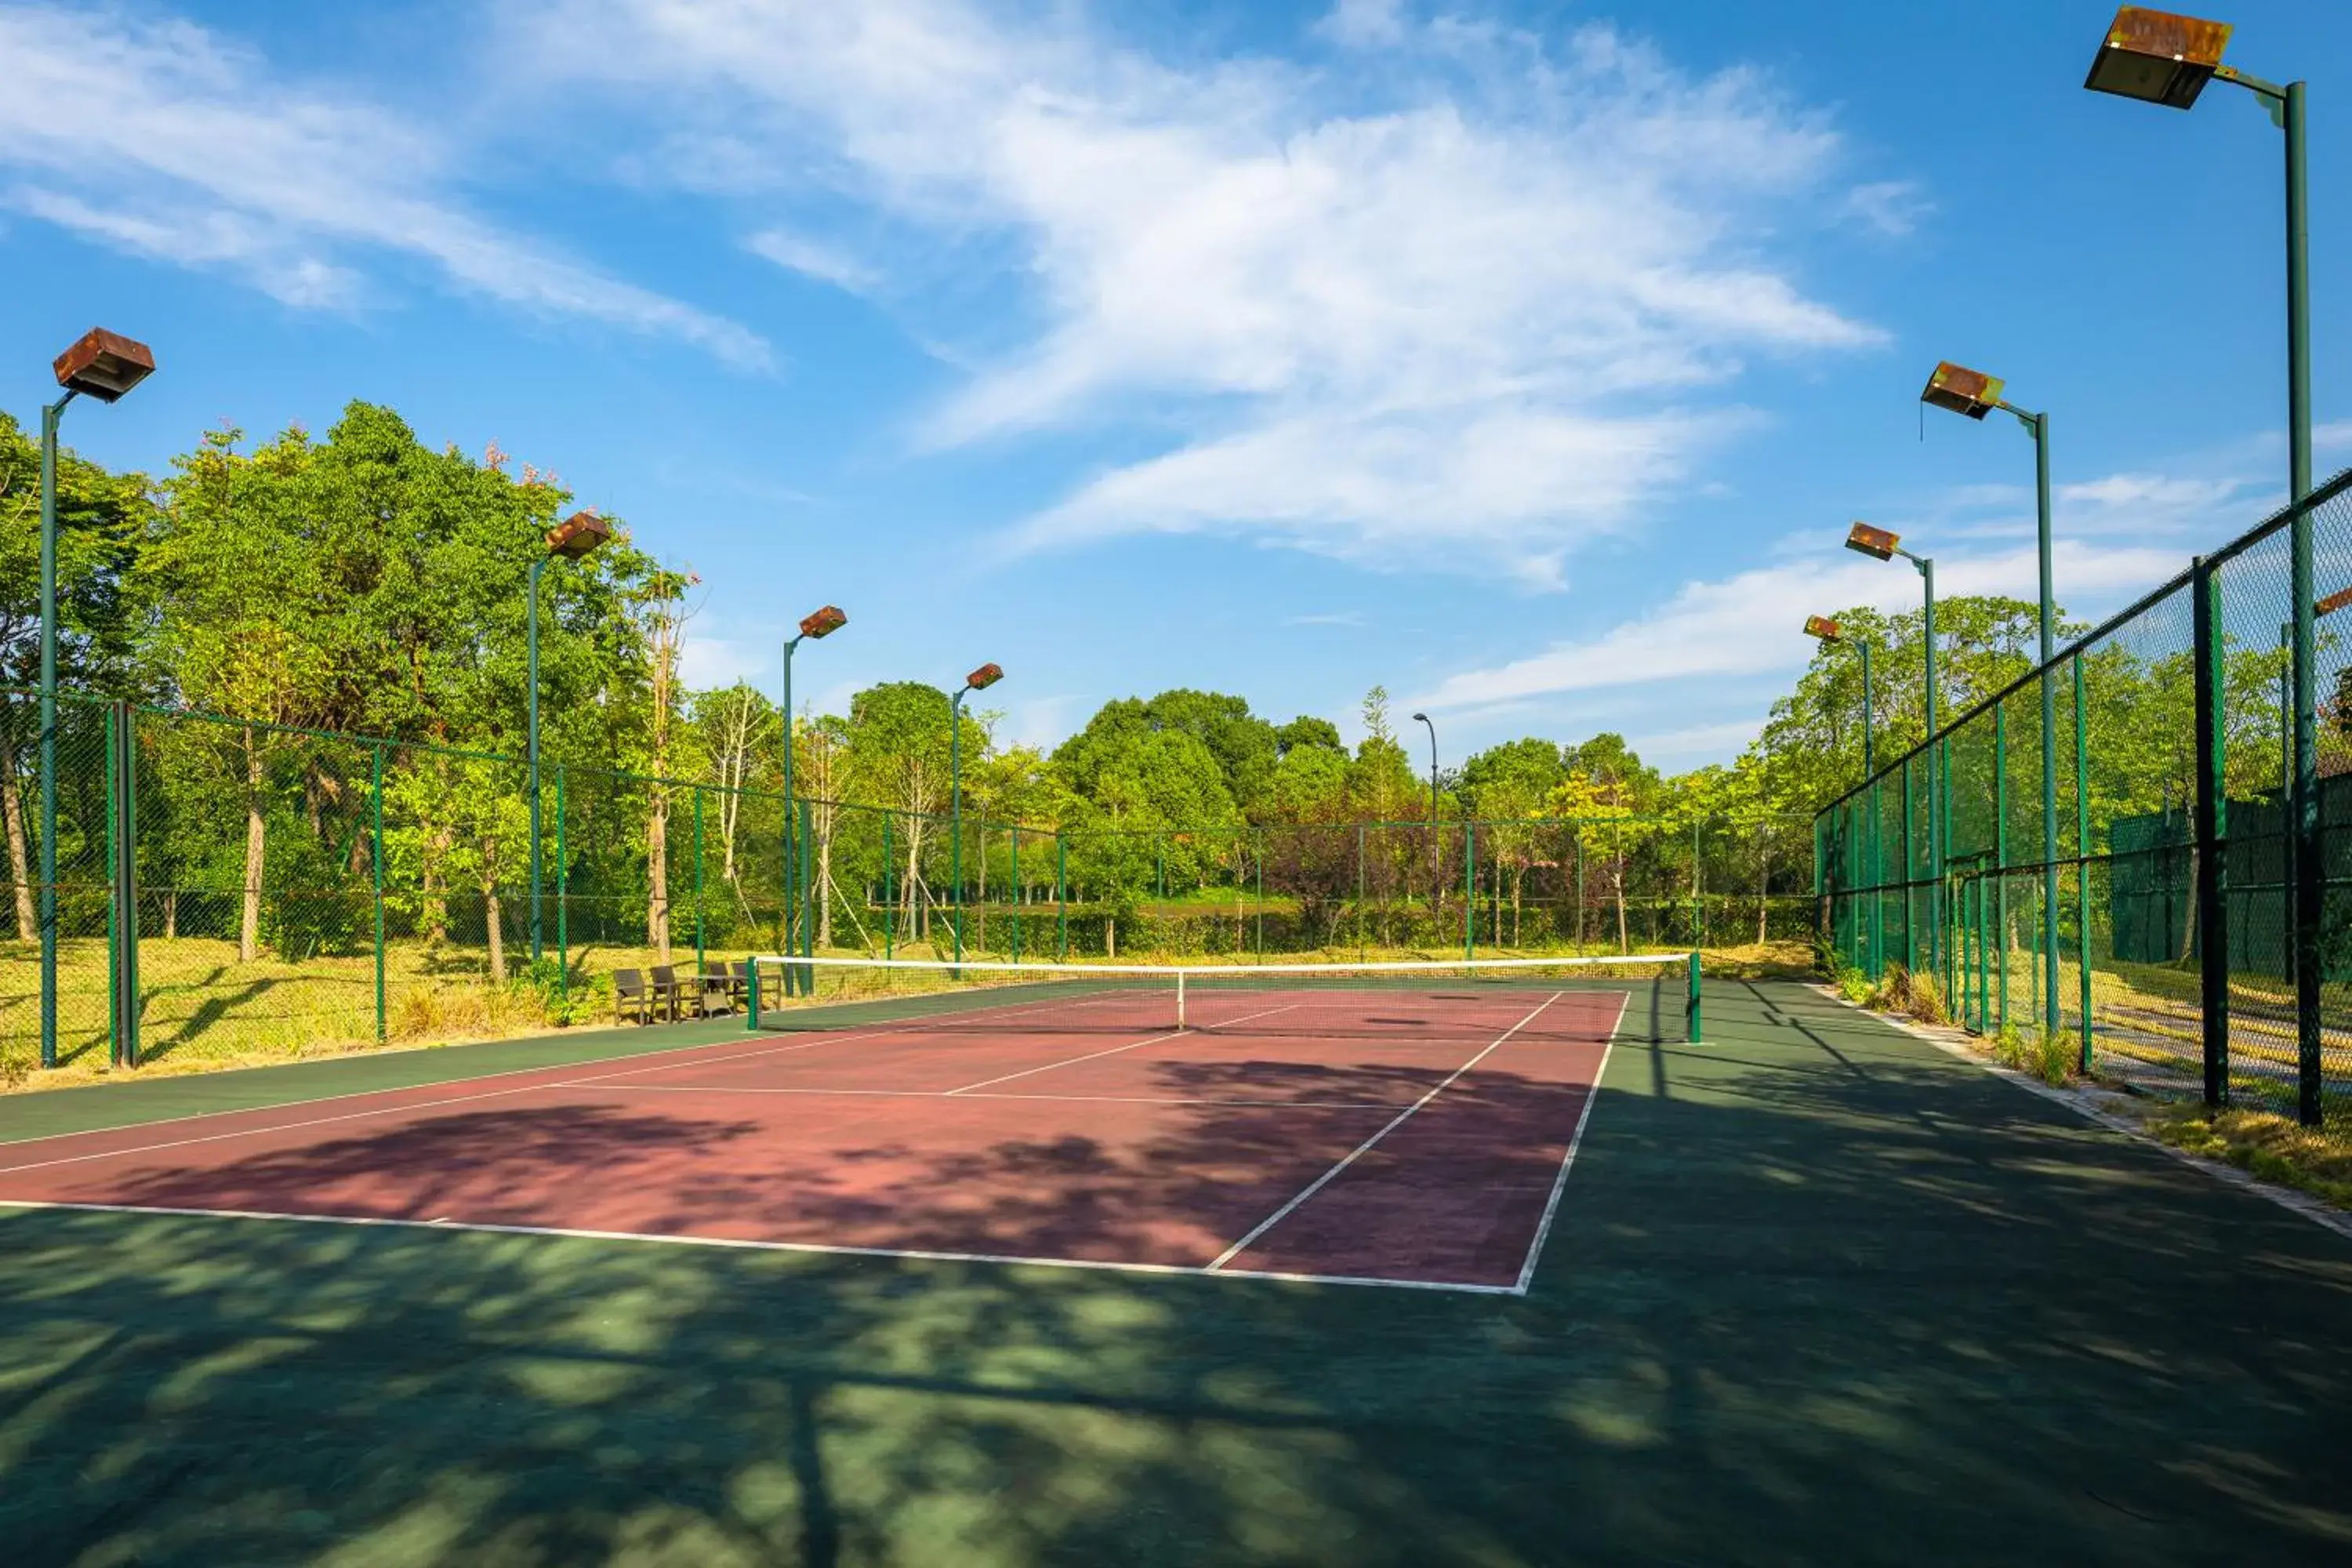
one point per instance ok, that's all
(980, 680)
(820, 623)
(1831, 635)
(1436, 854)
(1880, 545)
(104, 366)
(1973, 396)
(2166, 59)
(573, 538)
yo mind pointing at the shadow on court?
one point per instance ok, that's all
(1817, 1294)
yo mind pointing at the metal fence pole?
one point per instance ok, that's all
(807, 897)
(2211, 825)
(562, 899)
(126, 876)
(1016, 894)
(698, 964)
(1469, 889)
(114, 891)
(2083, 859)
(889, 893)
(1062, 893)
(2001, 844)
(375, 857)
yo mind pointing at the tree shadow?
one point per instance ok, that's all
(1796, 1310)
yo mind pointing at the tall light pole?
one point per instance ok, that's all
(1881, 546)
(2161, 59)
(104, 366)
(821, 623)
(1973, 396)
(1832, 635)
(575, 537)
(980, 680)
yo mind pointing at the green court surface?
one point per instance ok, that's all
(1817, 1294)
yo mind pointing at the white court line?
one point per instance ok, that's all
(1131, 1044)
(1319, 1182)
(1053, 1099)
(428, 1104)
(1559, 1181)
(824, 1249)
(659, 1060)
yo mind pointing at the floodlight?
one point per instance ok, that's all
(104, 364)
(577, 535)
(1822, 626)
(823, 623)
(1872, 541)
(2157, 57)
(986, 675)
(2333, 603)
(1963, 391)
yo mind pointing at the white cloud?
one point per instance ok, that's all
(2333, 437)
(1892, 207)
(182, 147)
(1339, 618)
(1335, 291)
(1364, 23)
(706, 663)
(1750, 624)
(811, 259)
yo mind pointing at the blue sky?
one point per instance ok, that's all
(1529, 359)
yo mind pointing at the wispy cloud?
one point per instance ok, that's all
(181, 146)
(1749, 624)
(1339, 618)
(1892, 207)
(1469, 317)
(811, 259)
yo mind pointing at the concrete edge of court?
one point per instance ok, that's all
(2086, 1104)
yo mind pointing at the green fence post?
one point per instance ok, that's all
(698, 964)
(1698, 912)
(1910, 871)
(1692, 1005)
(1359, 891)
(2001, 844)
(751, 995)
(113, 892)
(1261, 894)
(375, 856)
(2082, 859)
(562, 912)
(126, 877)
(889, 892)
(1062, 892)
(1016, 894)
(2211, 825)
(1469, 890)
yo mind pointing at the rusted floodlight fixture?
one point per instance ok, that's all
(1822, 626)
(1963, 391)
(823, 622)
(2157, 57)
(2332, 602)
(577, 535)
(800, 935)
(104, 364)
(986, 675)
(1872, 541)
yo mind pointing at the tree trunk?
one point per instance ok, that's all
(248, 930)
(492, 921)
(1624, 942)
(170, 914)
(1764, 889)
(824, 880)
(20, 871)
(657, 872)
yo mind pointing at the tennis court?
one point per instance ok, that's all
(1813, 1292)
(1409, 1125)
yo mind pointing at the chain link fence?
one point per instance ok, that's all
(2198, 885)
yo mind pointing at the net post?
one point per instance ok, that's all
(751, 995)
(2211, 825)
(1691, 1006)
(376, 868)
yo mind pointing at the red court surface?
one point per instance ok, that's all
(1375, 1149)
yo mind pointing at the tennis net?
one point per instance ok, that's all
(1653, 996)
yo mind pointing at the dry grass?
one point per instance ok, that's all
(2274, 1148)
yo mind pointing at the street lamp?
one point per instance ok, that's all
(1973, 396)
(1881, 546)
(105, 366)
(1832, 636)
(575, 537)
(980, 680)
(1437, 855)
(2162, 58)
(821, 623)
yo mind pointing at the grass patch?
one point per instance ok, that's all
(2274, 1148)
